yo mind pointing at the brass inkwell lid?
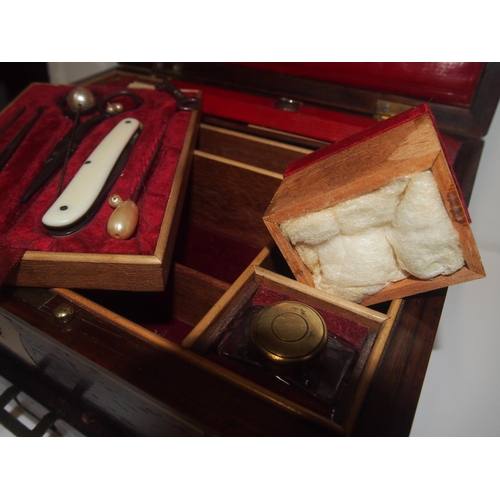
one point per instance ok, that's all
(288, 332)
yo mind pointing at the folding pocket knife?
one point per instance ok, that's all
(83, 196)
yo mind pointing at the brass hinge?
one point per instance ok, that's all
(386, 109)
(35, 297)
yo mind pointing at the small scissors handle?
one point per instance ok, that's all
(183, 102)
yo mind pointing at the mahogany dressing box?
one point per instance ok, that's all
(150, 363)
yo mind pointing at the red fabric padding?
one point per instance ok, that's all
(214, 254)
(20, 225)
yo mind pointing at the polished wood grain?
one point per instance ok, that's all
(223, 402)
(61, 403)
(230, 198)
(250, 149)
(391, 402)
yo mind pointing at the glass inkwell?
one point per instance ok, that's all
(287, 343)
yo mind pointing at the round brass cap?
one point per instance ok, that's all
(288, 332)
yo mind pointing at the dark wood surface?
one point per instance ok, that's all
(392, 400)
(63, 404)
(82, 354)
(143, 389)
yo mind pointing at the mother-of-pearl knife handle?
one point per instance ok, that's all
(85, 187)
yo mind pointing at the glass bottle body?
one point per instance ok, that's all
(320, 378)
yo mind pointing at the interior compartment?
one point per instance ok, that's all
(260, 152)
(212, 261)
(358, 326)
(220, 240)
(220, 234)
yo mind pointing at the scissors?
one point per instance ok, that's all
(108, 106)
(183, 102)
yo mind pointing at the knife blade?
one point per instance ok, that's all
(83, 196)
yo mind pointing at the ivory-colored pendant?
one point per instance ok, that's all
(123, 221)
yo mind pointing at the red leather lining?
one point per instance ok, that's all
(311, 122)
(451, 83)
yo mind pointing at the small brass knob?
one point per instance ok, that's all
(64, 313)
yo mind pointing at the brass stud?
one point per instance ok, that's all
(64, 313)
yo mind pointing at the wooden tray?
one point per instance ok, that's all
(141, 263)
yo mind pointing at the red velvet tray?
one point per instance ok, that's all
(90, 258)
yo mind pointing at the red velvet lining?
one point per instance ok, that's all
(325, 125)
(20, 225)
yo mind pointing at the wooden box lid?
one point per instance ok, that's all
(462, 96)
(401, 146)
